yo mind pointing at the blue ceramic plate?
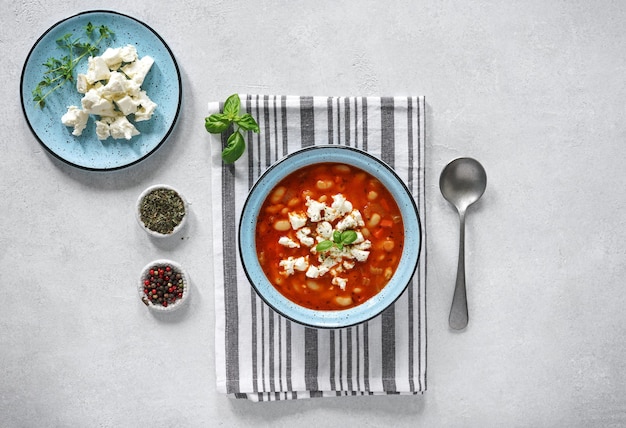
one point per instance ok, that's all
(371, 307)
(163, 85)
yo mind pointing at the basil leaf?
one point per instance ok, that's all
(247, 123)
(231, 106)
(337, 236)
(348, 237)
(216, 123)
(323, 246)
(234, 148)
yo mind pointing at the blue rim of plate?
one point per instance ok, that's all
(376, 304)
(163, 85)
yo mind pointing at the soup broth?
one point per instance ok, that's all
(329, 236)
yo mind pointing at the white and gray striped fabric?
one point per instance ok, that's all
(262, 356)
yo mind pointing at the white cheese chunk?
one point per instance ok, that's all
(341, 205)
(348, 264)
(77, 118)
(122, 128)
(94, 103)
(304, 238)
(97, 69)
(128, 53)
(301, 264)
(102, 130)
(315, 209)
(137, 70)
(324, 230)
(116, 86)
(312, 272)
(114, 57)
(291, 264)
(297, 220)
(146, 107)
(359, 255)
(285, 241)
(82, 85)
(348, 222)
(126, 105)
(341, 282)
(365, 245)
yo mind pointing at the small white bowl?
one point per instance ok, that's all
(138, 211)
(145, 273)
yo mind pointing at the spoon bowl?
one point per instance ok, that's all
(462, 182)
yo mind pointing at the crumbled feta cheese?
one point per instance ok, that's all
(324, 230)
(116, 86)
(285, 241)
(315, 209)
(93, 103)
(301, 264)
(360, 255)
(146, 107)
(75, 117)
(114, 57)
(348, 222)
(112, 95)
(312, 272)
(122, 128)
(365, 245)
(357, 217)
(128, 53)
(297, 220)
(97, 70)
(126, 105)
(82, 85)
(303, 236)
(291, 264)
(102, 130)
(341, 205)
(137, 70)
(341, 282)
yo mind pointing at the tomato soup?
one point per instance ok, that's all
(329, 236)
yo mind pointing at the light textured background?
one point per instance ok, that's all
(533, 89)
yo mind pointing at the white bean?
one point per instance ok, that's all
(324, 184)
(374, 220)
(341, 168)
(388, 245)
(278, 194)
(343, 300)
(313, 285)
(282, 225)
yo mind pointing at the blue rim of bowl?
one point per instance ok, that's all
(376, 304)
(178, 76)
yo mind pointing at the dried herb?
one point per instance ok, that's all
(162, 210)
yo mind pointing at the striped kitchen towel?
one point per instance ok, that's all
(260, 355)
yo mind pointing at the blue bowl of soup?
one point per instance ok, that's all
(329, 236)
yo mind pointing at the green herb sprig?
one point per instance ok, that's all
(340, 239)
(220, 122)
(59, 71)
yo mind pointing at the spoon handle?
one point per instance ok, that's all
(458, 312)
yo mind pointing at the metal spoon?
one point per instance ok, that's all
(462, 182)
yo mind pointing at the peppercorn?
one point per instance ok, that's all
(163, 285)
